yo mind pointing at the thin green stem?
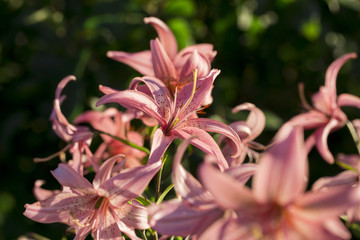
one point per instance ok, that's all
(163, 195)
(144, 235)
(354, 135)
(158, 181)
(127, 142)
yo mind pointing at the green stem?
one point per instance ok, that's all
(144, 234)
(354, 135)
(127, 142)
(158, 182)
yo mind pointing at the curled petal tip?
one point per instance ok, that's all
(110, 54)
(151, 19)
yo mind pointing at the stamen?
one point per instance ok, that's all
(201, 109)
(183, 107)
(59, 153)
(76, 221)
(192, 92)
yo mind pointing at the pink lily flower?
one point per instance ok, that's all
(176, 115)
(117, 124)
(278, 207)
(164, 61)
(194, 209)
(102, 207)
(78, 137)
(247, 130)
(326, 116)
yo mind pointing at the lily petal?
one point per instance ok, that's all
(140, 61)
(128, 184)
(160, 143)
(321, 136)
(185, 184)
(203, 86)
(132, 99)
(164, 68)
(166, 36)
(322, 205)
(67, 176)
(105, 170)
(62, 119)
(346, 178)
(204, 49)
(233, 196)
(210, 125)
(177, 218)
(255, 121)
(195, 60)
(283, 168)
(159, 91)
(332, 72)
(132, 215)
(59, 207)
(348, 100)
(204, 142)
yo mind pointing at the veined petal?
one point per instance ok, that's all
(203, 86)
(348, 100)
(320, 206)
(323, 101)
(132, 215)
(159, 91)
(100, 120)
(203, 141)
(127, 230)
(166, 36)
(160, 143)
(242, 172)
(107, 228)
(178, 218)
(140, 61)
(62, 119)
(305, 229)
(107, 90)
(62, 207)
(343, 179)
(332, 72)
(41, 193)
(255, 121)
(67, 176)
(321, 136)
(210, 125)
(105, 170)
(309, 120)
(185, 184)
(132, 99)
(128, 184)
(228, 192)
(283, 168)
(204, 49)
(195, 60)
(164, 68)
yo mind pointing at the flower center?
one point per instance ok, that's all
(183, 107)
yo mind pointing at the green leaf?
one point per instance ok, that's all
(163, 195)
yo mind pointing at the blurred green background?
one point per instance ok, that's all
(265, 48)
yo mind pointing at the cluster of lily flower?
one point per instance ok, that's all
(174, 87)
